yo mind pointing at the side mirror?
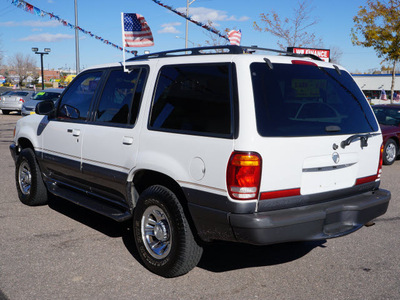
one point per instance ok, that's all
(45, 108)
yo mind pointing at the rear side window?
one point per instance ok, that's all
(76, 101)
(304, 100)
(193, 99)
(121, 97)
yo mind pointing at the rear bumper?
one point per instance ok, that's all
(311, 222)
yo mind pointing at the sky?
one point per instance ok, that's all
(20, 30)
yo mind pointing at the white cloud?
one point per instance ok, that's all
(47, 37)
(170, 27)
(52, 23)
(204, 15)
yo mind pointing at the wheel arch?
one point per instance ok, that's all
(145, 178)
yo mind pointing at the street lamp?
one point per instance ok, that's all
(46, 51)
(187, 21)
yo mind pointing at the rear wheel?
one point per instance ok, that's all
(30, 186)
(390, 152)
(162, 234)
(5, 112)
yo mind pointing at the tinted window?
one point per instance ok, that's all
(121, 96)
(387, 115)
(76, 101)
(193, 99)
(304, 100)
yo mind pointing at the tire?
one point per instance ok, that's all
(390, 152)
(30, 186)
(162, 234)
(5, 112)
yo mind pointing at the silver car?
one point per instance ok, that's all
(14, 101)
(28, 107)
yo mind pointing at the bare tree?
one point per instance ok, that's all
(291, 31)
(23, 66)
(336, 54)
(213, 39)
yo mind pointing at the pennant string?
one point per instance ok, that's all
(37, 11)
(189, 18)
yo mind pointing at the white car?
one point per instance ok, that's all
(14, 100)
(204, 146)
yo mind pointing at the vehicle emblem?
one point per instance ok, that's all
(335, 157)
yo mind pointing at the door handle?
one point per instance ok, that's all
(127, 140)
(75, 132)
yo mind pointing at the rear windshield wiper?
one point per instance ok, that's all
(363, 139)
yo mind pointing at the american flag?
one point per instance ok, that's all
(136, 31)
(383, 95)
(235, 36)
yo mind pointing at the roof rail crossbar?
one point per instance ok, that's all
(225, 49)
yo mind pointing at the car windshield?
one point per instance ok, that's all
(387, 115)
(46, 96)
(306, 100)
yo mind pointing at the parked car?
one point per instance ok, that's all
(5, 93)
(198, 145)
(28, 107)
(388, 116)
(14, 100)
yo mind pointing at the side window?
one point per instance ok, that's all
(120, 99)
(76, 101)
(193, 99)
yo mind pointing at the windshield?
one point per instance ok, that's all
(46, 96)
(387, 115)
(305, 100)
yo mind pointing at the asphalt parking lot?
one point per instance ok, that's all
(61, 251)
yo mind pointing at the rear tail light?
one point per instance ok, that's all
(21, 100)
(243, 175)
(378, 173)
(304, 62)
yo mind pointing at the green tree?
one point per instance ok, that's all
(377, 25)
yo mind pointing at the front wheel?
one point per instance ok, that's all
(390, 152)
(30, 186)
(162, 234)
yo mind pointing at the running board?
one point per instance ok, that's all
(117, 213)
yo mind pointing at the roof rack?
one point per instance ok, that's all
(226, 49)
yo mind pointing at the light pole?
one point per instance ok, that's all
(78, 69)
(46, 51)
(187, 21)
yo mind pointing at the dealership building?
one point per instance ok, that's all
(373, 84)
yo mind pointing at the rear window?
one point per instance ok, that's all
(20, 93)
(305, 100)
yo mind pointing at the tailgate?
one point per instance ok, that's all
(310, 165)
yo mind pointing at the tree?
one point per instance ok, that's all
(377, 25)
(293, 31)
(214, 39)
(23, 66)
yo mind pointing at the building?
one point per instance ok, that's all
(373, 84)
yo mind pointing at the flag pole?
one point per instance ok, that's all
(123, 42)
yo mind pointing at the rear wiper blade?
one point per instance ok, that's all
(363, 139)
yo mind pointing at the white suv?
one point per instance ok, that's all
(196, 146)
